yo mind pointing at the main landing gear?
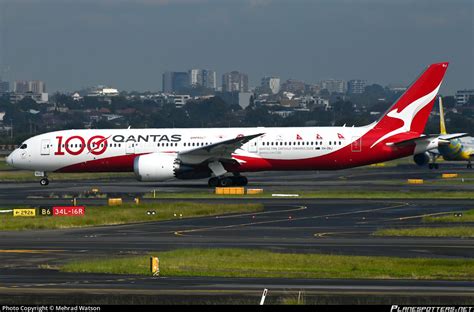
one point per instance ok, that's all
(228, 181)
(469, 165)
(433, 164)
(44, 181)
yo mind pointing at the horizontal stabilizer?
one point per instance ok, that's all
(413, 140)
(452, 136)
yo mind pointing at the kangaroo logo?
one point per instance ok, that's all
(407, 114)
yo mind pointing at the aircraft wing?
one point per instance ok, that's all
(218, 151)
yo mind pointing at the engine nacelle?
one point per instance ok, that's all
(422, 159)
(155, 167)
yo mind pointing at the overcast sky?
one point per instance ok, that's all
(128, 44)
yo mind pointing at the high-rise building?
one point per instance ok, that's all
(4, 86)
(167, 84)
(356, 86)
(175, 81)
(333, 85)
(294, 86)
(20, 86)
(462, 96)
(202, 77)
(195, 77)
(235, 81)
(271, 83)
(33, 86)
(36, 86)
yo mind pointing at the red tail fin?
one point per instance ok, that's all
(411, 111)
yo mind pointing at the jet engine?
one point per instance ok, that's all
(155, 167)
(422, 159)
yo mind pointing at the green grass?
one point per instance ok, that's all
(467, 216)
(260, 263)
(3, 164)
(127, 213)
(28, 176)
(457, 231)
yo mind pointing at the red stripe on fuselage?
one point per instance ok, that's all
(122, 163)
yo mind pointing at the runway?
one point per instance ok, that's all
(364, 179)
(331, 226)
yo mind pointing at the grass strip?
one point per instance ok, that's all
(261, 263)
(28, 176)
(467, 216)
(127, 213)
(456, 231)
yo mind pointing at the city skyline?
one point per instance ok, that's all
(129, 45)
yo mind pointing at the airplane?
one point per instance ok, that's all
(223, 154)
(454, 147)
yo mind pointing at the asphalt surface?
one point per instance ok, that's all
(366, 178)
(333, 226)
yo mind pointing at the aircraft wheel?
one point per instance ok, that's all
(242, 181)
(225, 182)
(469, 166)
(44, 181)
(436, 166)
(430, 166)
(239, 181)
(213, 182)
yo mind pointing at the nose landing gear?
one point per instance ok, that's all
(44, 178)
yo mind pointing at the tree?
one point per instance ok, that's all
(449, 101)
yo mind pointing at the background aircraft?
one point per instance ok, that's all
(460, 148)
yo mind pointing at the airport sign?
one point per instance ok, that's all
(24, 212)
(69, 211)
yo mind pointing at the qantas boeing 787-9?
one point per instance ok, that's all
(224, 154)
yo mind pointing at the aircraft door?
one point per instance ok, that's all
(253, 146)
(130, 147)
(45, 147)
(356, 145)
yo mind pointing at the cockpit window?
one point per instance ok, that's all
(23, 146)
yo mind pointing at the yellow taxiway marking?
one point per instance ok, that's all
(29, 250)
(397, 205)
(262, 212)
(331, 233)
(180, 233)
(419, 216)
